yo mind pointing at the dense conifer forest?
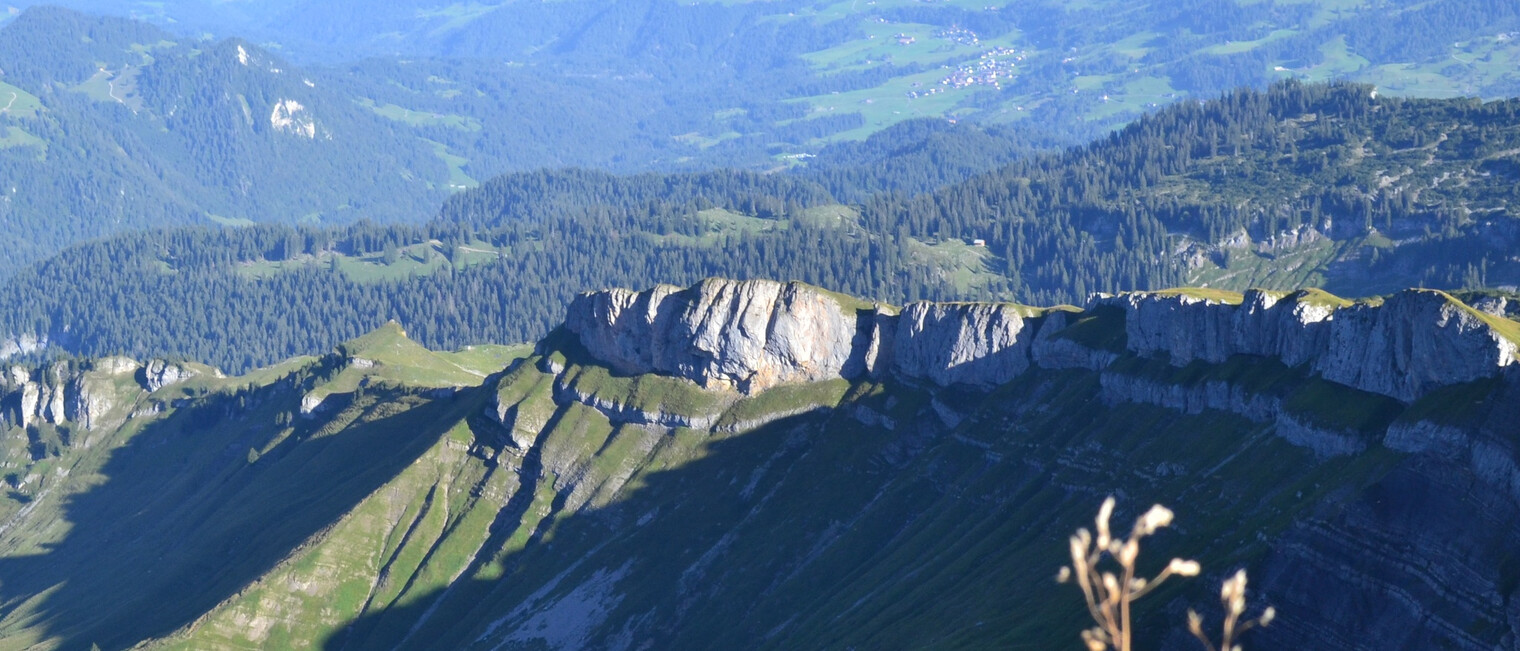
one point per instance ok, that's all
(1389, 190)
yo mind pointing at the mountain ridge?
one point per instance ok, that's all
(753, 335)
(546, 496)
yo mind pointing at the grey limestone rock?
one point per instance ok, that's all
(1417, 341)
(981, 344)
(83, 393)
(1050, 351)
(753, 335)
(21, 345)
(743, 335)
(1413, 343)
(158, 374)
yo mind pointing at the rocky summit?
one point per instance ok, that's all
(773, 465)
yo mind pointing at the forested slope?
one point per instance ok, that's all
(1300, 185)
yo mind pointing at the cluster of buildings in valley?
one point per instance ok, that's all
(959, 36)
(989, 69)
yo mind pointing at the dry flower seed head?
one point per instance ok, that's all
(1094, 639)
(1268, 615)
(1129, 553)
(1183, 568)
(1235, 585)
(1156, 518)
(1136, 585)
(1111, 584)
(1064, 575)
(1195, 622)
(1104, 513)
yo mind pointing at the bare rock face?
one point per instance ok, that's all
(753, 335)
(158, 374)
(1050, 351)
(1413, 343)
(742, 335)
(21, 345)
(84, 393)
(982, 344)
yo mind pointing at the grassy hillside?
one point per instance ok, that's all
(496, 511)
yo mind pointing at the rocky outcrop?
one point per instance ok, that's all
(1184, 327)
(21, 345)
(747, 336)
(752, 335)
(1055, 352)
(1220, 395)
(87, 394)
(1414, 343)
(1411, 344)
(158, 374)
(962, 343)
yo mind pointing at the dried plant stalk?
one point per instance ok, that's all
(1233, 596)
(1109, 595)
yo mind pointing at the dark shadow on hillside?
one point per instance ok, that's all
(445, 619)
(859, 536)
(856, 536)
(190, 512)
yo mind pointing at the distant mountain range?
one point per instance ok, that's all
(112, 125)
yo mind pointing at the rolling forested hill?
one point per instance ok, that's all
(1300, 185)
(112, 124)
(1098, 61)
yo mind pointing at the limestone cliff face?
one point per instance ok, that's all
(974, 344)
(158, 374)
(1185, 328)
(21, 345)
(753, 335)
(1413, 343)
(747, 336)
(89, 394)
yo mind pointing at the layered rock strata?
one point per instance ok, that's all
(1413, 343)
(752, 335)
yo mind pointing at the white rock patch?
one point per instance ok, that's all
(287, 117)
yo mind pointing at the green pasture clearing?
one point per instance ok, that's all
(966, 267)
(415, 260)
(15, 102)
(889, 103)
(18, 137)
(113, 87)
(458, 179)
(421, 118)
(892, 43)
